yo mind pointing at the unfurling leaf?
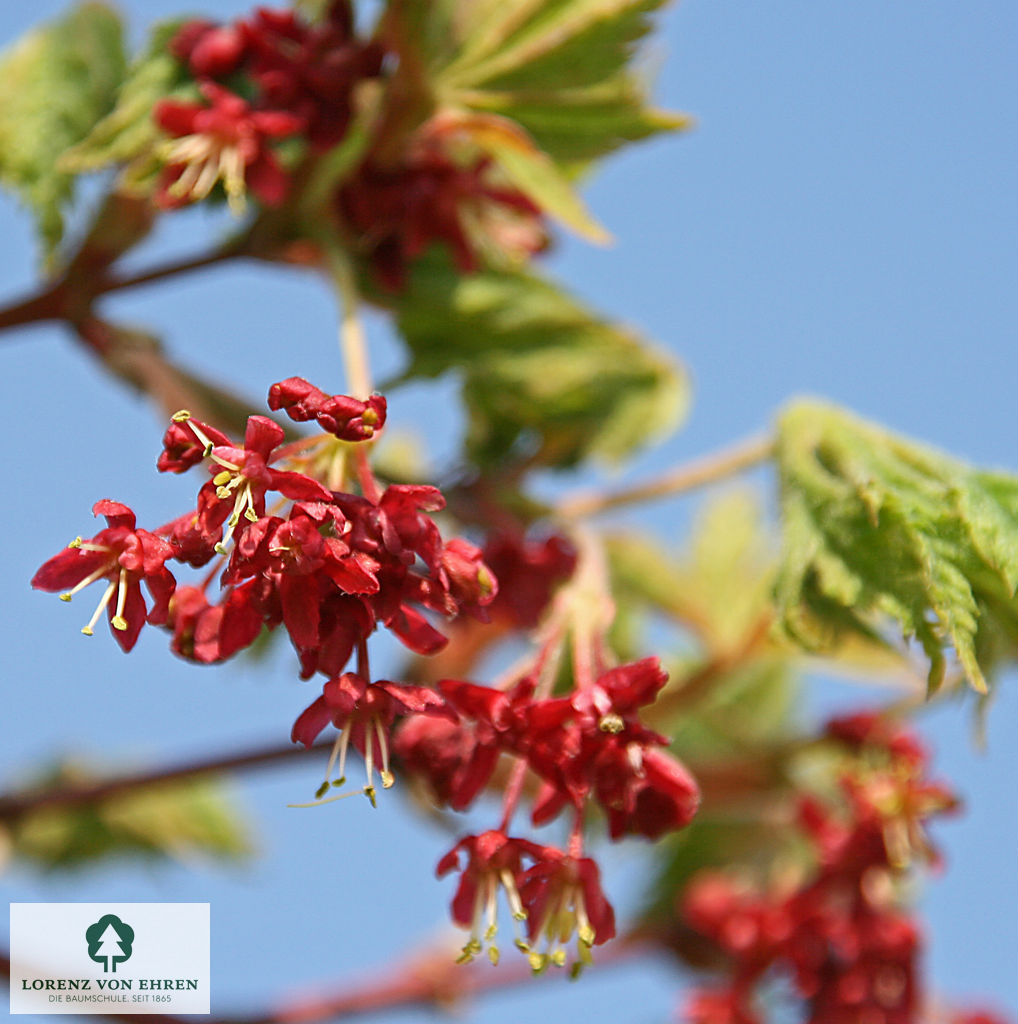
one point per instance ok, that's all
(877, 527)
(543, 377)
(129, 130)
(561, 70)
(55, 84)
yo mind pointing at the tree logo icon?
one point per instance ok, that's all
(109, 942)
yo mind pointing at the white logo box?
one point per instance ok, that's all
(109, 958)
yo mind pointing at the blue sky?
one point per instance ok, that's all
(841, 222)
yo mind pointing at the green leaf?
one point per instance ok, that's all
(531, 171)
(560, 69)
(543, 377)
(171, 819)
(129, 130)
(877, 527)
(55, 84)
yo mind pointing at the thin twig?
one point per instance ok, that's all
(230, 251)
(703, 471)
(17, 805)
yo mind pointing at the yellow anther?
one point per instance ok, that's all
(493, 955)
(87, 630)
(220, 549)
(369, 792)
(76, 543)
(538, 962)
(519, 915)
(490, 933)
(341, 781)
(558, 958)
(612, 723)
(207, 450)
(234, 517)
(522, 946)
(586, 935)
(485, 580)
(119, 622)
(388, 779)
(65, 597)
(465, 957)
(181, 416)
(222, 492)
(222, 478)
(370, 417)
(250, 515)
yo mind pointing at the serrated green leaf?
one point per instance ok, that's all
(55, 84)
(541, 375)
(877, 527)
(129, 130)
(181, 819)
(560, 69)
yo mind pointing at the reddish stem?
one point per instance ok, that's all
(369, 485)
(513, 790)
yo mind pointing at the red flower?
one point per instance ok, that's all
(237, 491)
(494, 861)
(364, 713)
(225, 141)
(344, 417)
(527, 573)
(562, 896)
(441, 754)
(124, 556)
(187, 442)
(310, 70)
(500, 725)
(209, 633)
(209, 50)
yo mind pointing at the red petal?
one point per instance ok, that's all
(311, 721)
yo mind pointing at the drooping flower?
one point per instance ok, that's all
(364, 712)
(562, 897)
(494, 862)
(123, 556)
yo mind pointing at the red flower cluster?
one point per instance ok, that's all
(290, 545)
(558, 895)
(849, 949)
(329, 566)
(587, 748)
(266, 77)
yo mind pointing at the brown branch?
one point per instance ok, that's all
(703, 471)
(433, 981)
(52, 301)
(16, 805)
(42, 305)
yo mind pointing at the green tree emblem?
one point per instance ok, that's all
(109, 942)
